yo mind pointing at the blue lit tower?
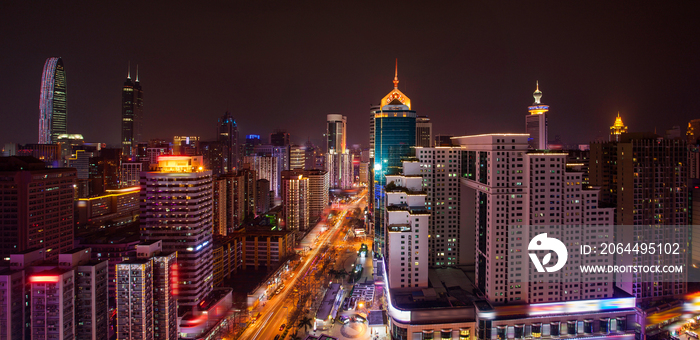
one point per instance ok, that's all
(394, 137)
(52, 103)
(132, 114)
(228, 137)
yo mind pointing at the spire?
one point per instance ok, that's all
(128, 70)
(137, 72)
(538, 93)
(396, 74)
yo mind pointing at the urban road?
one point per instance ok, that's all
(275, 312)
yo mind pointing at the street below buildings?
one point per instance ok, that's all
(307, 284)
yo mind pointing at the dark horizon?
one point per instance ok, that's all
(470, 67)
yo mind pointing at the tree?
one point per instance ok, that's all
(305, 322)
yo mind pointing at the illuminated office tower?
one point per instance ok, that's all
(267, 167)
(52, 103)
(228, 137)
(132, 115)
(176, 207)
(536, 123)
(336, 132)
(407, 217)
(508, 190)
(394, 135)
(424, 132)
(338, 158)
(617, 129)
(186, 145)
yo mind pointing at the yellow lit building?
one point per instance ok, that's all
(617, 129)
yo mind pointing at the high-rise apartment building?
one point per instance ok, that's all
(176, 207)
(645, 177)
(12, 304)
(339, 168)
(317, 198)
(220, 206)
(228, 136)
(240, 192)
(147, 289)
(440, 168)
(52, 103)
(424, 132)
(37, 206)
(536, 123)
(91, 294)
(394, 135)
(519, 194)
(407, 240)
(132, 115)
(295, 200)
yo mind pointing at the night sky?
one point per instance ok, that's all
(471, 66)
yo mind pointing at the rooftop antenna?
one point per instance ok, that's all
(128, 70)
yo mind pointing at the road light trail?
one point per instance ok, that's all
(271, 313)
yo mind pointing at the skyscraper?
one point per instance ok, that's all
(536, 123)
(132, 114)
(336, 132)
(228, 136)
(52, 104)
(185, 226)
(617, 129)
(279, 138)
(645, 177)
(535, 195)
(250, 142)
(424, 132)
(395, 134)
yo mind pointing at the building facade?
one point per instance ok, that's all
(52, 104)
(176, 207)
(37, 207)
(132, 115)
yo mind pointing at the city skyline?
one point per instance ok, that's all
(624, 63)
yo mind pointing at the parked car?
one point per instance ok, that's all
(282, 327)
